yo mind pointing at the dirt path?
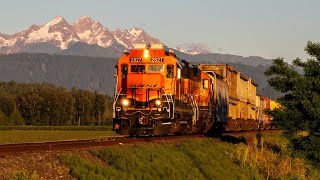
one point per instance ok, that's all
(44, 164)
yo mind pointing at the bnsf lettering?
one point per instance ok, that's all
(135, 59)
(143, 85)
(156, 59)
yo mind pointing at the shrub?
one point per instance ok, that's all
(274, 162)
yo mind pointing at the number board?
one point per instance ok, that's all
(156, 59)
(135, 59)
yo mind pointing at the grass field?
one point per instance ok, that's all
(190, 159)
(56, 128)
(209, 158)
(16, 136)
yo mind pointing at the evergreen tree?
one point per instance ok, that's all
(7, 104)
(3, 119)
(300, 109)
(99, 107)
(16, 118)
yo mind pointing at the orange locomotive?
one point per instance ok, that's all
(156, 93)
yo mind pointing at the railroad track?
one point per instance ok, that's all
(101, 142)
(86, 144)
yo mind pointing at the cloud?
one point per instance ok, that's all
(194, 46)
(220, 50)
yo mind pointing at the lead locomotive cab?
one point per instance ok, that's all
(144, 88)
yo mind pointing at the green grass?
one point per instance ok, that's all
(56, 128)
(8, 137)
(190, 159)
(208, 158)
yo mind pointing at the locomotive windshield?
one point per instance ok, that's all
(155, 68)
(138, 68)
(124, 70)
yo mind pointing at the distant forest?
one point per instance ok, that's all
(88, 73)
(42, 104)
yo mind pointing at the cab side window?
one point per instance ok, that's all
(124, 70)
(205, 84)
(170, 71)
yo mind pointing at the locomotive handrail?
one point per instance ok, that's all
(146, 114)
(115, 101)
(195, 107)
(116, 85)
(169, 100)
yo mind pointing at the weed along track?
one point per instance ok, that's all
(253, 132)
(87, 144)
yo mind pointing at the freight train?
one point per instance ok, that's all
(156, 93)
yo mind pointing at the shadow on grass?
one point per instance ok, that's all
(273, 147)
(232, 139)
(229, 139)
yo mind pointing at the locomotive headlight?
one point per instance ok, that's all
(146, 53)
(158, 102)
(125, 102)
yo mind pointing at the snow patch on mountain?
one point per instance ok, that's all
(193, 48)
(135, 32)
(84, 35)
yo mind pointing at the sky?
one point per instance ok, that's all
(270, 29)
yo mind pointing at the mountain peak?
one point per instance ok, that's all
(56, 20)
(83, 19)
(56, 32)
(92, 32)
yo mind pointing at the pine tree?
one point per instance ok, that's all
(3, 119)
(16, 118)
(7, 105)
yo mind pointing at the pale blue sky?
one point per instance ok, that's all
(272, 28)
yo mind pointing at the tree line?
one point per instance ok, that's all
(42, 104)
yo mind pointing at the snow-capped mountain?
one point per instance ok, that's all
(92, 32)
(193, 51)
(133, 36)
(58, 32)
(193, 48)
(197, 51)
(58, 36)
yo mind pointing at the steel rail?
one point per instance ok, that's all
(87, 143)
